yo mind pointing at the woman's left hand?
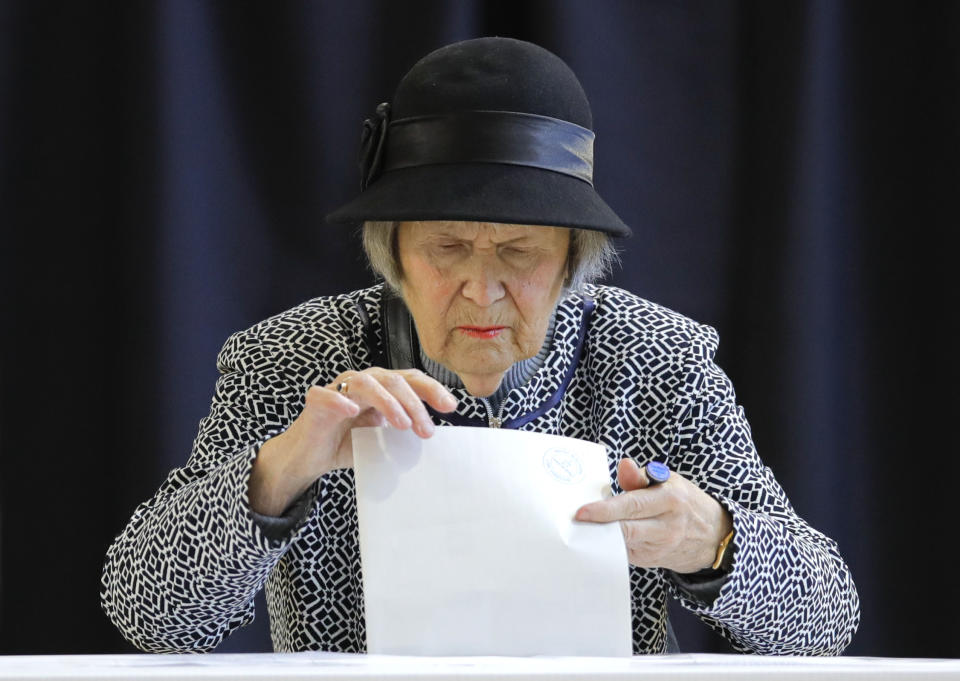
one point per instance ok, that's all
(674, 525)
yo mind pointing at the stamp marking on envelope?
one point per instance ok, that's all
(563, 465)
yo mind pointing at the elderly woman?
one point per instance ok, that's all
(481, 217)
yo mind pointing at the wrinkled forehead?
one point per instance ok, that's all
(470, 231)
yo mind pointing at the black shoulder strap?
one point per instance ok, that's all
(400, 349)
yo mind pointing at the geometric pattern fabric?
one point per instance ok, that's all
(184, 572)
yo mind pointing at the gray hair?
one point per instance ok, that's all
(592, 254)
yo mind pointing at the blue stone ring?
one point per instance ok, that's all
(657, 472)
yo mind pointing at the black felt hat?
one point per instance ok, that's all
(486, 130)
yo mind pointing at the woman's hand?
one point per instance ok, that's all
(319, 441)
(674, 525)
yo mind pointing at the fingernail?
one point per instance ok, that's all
(403, 420)
(426, 429)
(583, 514)
(450, 400)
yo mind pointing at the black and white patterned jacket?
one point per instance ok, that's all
(639, 379)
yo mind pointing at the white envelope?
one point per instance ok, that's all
(469, 546)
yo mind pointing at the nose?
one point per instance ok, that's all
(482, 284)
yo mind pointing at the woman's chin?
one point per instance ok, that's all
(481, 359)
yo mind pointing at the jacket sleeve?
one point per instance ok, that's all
(789, 592)
(184, 572)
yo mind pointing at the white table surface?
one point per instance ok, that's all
(329, 666)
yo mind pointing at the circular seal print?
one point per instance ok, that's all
(563, 465)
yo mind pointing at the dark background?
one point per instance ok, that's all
(790, 170)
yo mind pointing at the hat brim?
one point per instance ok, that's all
(483, 192)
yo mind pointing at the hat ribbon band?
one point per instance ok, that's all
(507, 137)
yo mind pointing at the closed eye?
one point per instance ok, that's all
(446, 249)
(515, 251)
(449, 248)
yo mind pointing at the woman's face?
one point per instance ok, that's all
(481, 293)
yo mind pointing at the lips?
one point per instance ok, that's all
(481, 331)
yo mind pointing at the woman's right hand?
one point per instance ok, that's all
(319, 441)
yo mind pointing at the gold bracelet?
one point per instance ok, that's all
(722, 549)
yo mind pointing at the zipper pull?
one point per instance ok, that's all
(492, 421)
